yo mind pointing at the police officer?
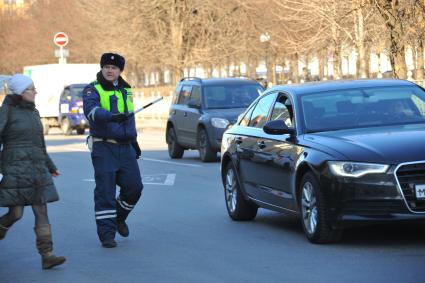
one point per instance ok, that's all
(109, 108)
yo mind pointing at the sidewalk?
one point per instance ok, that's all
(151, 124)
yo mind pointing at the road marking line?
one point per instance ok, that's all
(169, 181)
(155, 179)
(61, 148)
(170, 162)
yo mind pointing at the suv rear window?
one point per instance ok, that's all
(230, 96)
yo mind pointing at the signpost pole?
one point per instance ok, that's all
(61, 61)
(60, 39)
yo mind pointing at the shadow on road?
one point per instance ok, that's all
(408, 234)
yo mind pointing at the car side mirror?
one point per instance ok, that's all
(194, 104)
(277, 127)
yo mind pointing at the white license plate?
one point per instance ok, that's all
(420, 191)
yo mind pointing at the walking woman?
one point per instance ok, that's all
(26, 168)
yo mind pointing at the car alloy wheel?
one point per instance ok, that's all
(206, 153)
(238, 207)
(231, 190)
(309, 207)
(315, 215)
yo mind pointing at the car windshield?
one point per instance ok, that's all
(77, 93)
(230, 96)
(357, 108)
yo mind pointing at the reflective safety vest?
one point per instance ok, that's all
(105, 101)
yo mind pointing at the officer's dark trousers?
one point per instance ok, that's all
(114, 164)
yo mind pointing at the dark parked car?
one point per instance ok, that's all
(202, 109)
(334, 153)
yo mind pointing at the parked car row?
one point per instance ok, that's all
(333, 153)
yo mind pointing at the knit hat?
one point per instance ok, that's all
(19, 83)
(112, 59)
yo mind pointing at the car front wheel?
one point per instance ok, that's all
(174, 149)
(206, 153)
(315, 213)
(237, 207)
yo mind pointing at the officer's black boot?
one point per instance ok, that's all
(109, 243)
(122, 229)
(122, 214)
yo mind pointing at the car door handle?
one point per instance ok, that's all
(261, 144)
(185, 114)
(238, 140)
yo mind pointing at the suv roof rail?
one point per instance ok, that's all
(191, 78)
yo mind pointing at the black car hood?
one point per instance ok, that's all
(230, 114)
(391, 144)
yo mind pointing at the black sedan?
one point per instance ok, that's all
(335, 153)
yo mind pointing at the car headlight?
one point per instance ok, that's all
(219, 123)
(355, 169)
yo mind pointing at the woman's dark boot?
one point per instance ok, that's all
(3, 231)
(45, 247)
(4, 226)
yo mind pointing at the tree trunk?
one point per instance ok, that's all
(337, 63)
(160, 77)
(322, 62)
(252, 68)
(208, 69)
(391, 12)
(360, 41)
(293, 69)
(271, 69)
(420, 63)
(178, 74)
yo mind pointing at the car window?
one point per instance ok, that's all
(245, 120)
(261, 111)
(380, 106)
(282, 110)
(231, 96)
(195, 96)
(77, 93)
(176, 94)
(184, 94)
(66, 95)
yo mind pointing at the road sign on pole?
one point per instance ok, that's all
(61, 39)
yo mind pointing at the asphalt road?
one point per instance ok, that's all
(180, 232)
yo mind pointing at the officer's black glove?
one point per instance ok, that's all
(136, 147)
(119, 117)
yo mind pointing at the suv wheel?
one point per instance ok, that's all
(66, 127)
(206, 153)
(315, 213)
(174, 149)
(237, 207)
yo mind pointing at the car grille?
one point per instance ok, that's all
(409, 175)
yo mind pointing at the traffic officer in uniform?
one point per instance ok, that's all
(109, 108)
